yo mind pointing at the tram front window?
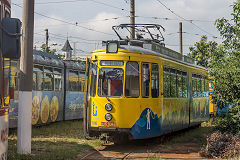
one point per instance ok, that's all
(110, 82)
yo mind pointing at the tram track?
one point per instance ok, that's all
(89, 156)
(148, 148)
(126, 156)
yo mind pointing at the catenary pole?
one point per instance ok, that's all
(132, 19)
(180, 38)
(24, 130)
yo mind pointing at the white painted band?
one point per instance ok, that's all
(24, 131)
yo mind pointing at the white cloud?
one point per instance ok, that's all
(92, 13)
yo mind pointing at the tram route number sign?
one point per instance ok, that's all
(108, 124)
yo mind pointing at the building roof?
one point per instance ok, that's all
(67, 47)
(45, 54)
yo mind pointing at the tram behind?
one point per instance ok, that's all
(10, 49)
(140, 89)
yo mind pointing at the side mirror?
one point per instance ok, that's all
(11, 38)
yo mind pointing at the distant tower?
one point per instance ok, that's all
(67, 50)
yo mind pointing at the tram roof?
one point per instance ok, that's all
(163, 52)
(45, 54)
(48, 59)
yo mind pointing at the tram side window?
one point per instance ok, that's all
(173, 84)
(194, 85)
(38, 83)
(206, 87)
(199, 86)
(73, 83)
(166, 82)
(132, 88)
(202, 87)
(48, 79)
(154, 81)
(145, 79)
(93, 79)
(81, 81)
(184, 82)
(57, 79)
(179, 83)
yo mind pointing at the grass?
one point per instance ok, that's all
(58, 141)
(197, 135)
(194, 135)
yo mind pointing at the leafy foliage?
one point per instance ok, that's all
(43, 49)
(230, 123)
(202, 51)
(230, 30)
(226, 68)
(53, 51)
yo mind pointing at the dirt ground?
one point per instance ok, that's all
(151, 149)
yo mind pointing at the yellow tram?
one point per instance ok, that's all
(212, 105)
(141, 89)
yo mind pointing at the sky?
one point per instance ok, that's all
(86, 23)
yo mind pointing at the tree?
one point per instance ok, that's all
(202, 51)
(226, 69)
(43, 49)
(230, 31)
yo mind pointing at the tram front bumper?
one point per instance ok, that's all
(109, 129)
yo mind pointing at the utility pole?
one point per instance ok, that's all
(180, 39)
(132, 19)
(24, 130)
(47, 36)
(74, 49)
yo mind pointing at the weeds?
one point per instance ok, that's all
(58, 141)
(222, 145)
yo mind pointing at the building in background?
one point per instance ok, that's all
(67, 51)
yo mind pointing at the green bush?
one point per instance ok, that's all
(230, 123)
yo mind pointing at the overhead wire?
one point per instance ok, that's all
(62, 38)
(71, 1)
(105, 19)
(70, 23)
(186, 19)
(195, 34)
(178, 45)
(115, 18)
(109, 5)
(173, 19)
(55, 2)
(59, 35)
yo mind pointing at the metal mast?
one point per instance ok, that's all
(132, 19)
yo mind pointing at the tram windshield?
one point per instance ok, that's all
(110, 82)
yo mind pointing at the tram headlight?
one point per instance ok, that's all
(108, 117)
(108, 107)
